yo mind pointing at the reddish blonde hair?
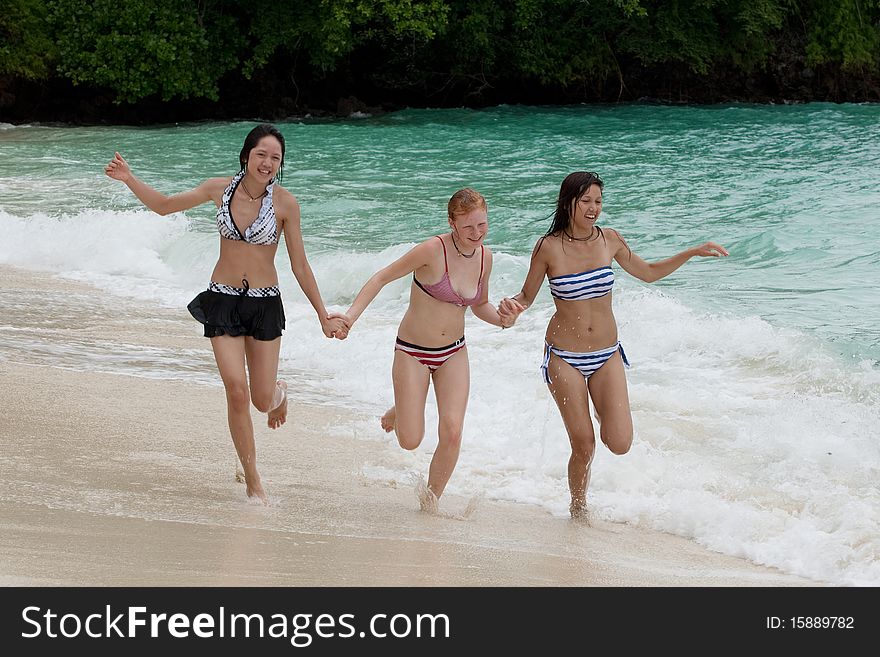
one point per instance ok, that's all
(465, 200)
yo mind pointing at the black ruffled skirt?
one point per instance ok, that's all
(225, 314)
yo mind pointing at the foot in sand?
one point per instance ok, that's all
(278, 415)
(255, 489)
(428, 502)
(389, 419)
(580, 513)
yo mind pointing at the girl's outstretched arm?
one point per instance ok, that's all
(416, 257)
(210, 190)
(654, 271)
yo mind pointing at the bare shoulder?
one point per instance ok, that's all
(613, 238)
(286, 205)
(547, 247)
(611, 233)
(433, 243)
(214, 187)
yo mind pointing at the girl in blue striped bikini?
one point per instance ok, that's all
(583, 358)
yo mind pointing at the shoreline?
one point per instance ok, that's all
(153, 506)
(122, 480)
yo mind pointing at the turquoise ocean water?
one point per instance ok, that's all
(756, 378)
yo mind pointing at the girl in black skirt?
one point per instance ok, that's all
(241, 309)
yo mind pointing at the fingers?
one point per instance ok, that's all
(345, 319)
(510, 307)
(718, 248)
(337, 326)
(117, 167)
(712, 249)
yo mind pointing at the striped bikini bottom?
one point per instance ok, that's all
(430, 357)
(585, 363)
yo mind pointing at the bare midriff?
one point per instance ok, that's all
(240, 260)
(583, 326)
(430, 323)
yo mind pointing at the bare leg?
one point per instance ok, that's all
(451, 387)
(267, 393)
(611, 400)
(229, 352)
(411, 380)
(569, 389)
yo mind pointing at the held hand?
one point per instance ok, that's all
(710, 249)
(510, 306)
(509, 310)
(336, 325)
(118, 168)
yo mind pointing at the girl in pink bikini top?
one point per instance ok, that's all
(442, 290)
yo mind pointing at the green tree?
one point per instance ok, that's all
(845, 32)
(26, 47)
(165, 48)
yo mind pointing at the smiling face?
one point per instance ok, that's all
(585, 210)
(264, 159)
(468, 217)
(262, 152)
(470, 228)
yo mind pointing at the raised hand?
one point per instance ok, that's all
(710, 249)
(118, 168)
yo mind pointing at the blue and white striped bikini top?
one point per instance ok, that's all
(590, 284)
(263, 230)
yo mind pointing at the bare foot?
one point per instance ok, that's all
(389, 419)
(580, 513)
(428, 502)
(278, 415)
(256, 490)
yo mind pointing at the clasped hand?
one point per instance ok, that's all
(509, 309)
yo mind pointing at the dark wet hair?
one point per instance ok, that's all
(573, 187)
(254, 137)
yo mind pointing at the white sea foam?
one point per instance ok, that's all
(754, 433)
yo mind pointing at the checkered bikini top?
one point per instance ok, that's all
(263, 230)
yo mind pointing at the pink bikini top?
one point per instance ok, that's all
(442, 290)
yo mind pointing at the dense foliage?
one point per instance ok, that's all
(441, 51)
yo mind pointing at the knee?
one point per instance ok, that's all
(582, 449)
(450, 436)
(618, 442)
(238, 397)
(262, 402)
(409, 439)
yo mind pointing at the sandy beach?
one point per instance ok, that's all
(122, 480)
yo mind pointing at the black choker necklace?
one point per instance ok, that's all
(471, 255)
(578, 239)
